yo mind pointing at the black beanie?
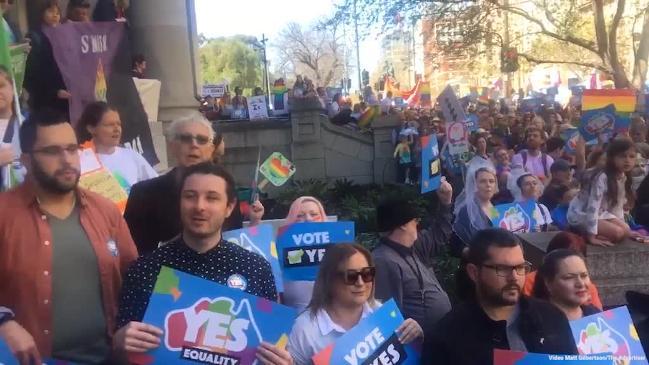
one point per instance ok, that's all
(392, 214)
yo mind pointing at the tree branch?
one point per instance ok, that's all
(533, 59)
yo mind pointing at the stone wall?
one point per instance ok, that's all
(319, 149)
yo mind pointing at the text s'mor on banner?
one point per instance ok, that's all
(372, 341)
(208, 323)
(611, 332)
(301, 246)
(259, 239)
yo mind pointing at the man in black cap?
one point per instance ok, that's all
(404, 258)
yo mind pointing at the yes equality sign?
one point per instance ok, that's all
(372, 341)
(611, 332)
(431, 172)
(208, 323)
(259, 239)
(515, 217)
(302, 246)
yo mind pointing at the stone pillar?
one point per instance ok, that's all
(165, 32)
(384, 165)
(307, 149)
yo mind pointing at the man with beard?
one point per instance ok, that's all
(499, 317)
(152, 210)
(63, 251)
(207, 198)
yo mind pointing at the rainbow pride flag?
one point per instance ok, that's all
(368, 116)
(624, 100)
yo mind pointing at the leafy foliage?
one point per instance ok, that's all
(230, 58)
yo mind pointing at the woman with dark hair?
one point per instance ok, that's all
(563, 241)
(528, 187)
(12, 171)
(342, 297)
(598, 210)
(43, 78)
(100, 131)
(563, 280)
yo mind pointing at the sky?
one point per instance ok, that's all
(223, 18)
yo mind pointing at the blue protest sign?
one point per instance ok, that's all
(597, 121)
(301, 246)
(571, 137)
(610, 332)
(205, 322)
(472, 122)
(507, 357)
(431, 171)
(372, 341)
(260, 240)
(7, 358)
(515, 217)
(531, 105)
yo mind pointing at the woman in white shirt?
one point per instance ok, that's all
(342, 297)
(530, 189)
(101, 125)
(12, 171)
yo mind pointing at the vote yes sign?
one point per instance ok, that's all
(208, 323)
(371, 342)
(302, 246)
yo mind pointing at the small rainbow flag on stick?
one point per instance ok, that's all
(624, 100)
(368, 116)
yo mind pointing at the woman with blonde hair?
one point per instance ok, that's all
(343, 296)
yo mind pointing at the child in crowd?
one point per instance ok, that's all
(563, 195)
(598, 210)
(402, 153)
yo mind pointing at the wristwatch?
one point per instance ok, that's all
(6, 315)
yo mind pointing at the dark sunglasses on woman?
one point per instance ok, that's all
(350, 277)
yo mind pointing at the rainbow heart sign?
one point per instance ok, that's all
(611, 332)
(277, 169)
(372, 341)
(208, 323)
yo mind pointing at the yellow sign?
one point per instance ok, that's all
(105, 184)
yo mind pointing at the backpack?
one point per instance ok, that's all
(544, 161)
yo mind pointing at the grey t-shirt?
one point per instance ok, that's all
(79, 326)
(514, 338)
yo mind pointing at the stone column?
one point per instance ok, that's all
(384, 164)
(165, 32)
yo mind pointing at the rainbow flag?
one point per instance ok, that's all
(368, 116)
(624, 100)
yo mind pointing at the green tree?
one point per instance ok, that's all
(234, 59)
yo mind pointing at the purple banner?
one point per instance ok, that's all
(95, 62)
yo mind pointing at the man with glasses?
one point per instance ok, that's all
(404, 259)
(152, 210)
(499, 316)
(63, 252)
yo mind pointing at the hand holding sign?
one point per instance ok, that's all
(277, 169)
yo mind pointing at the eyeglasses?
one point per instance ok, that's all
(189, 139)
(54, 151)
(504, 270)
(350, 277)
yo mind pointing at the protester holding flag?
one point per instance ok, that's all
(12, 171)
(43, 79)
(563, 280)
(100, 130)
(343, 296)
(598, 210)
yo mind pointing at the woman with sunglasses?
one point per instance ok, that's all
(563, 280)
(342, 297)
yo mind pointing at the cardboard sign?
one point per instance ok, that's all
(507, 357)
(571, 137)
(105, 184)
(301, 246)
(451, 107)
(611, 332)
(372, 341)
(597, 121)
(431, 169)
(514, 217)
(260, 240)
(277, 169)
(257, 108)
(215, 91)
(208, 323)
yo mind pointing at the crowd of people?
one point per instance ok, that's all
(77, 272)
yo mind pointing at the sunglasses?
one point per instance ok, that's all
(350, 277)
(189, 139)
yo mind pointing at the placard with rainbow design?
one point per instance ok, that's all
(277, 169)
